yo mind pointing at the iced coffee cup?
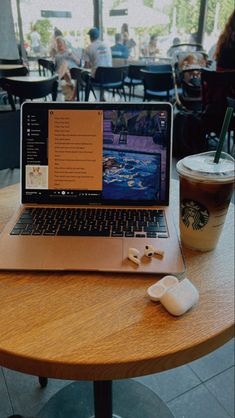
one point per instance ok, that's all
(206, 188)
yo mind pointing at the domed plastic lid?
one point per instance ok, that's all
(202, 167)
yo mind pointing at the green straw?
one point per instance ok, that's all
(223, 132)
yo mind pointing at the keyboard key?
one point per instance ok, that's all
(151, 228)
(83, 233)
(16, 231)
(151, 235)
(117, 234)
(129, 234)
(24, 221)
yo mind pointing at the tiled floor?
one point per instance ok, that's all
(201, 389)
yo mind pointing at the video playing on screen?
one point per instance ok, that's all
(133, 155)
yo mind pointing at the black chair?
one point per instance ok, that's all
(80, 77)
(158, 85)
(10, 72)
(109, 78)
(14, 72)
(159, 68)
(29, 89)
(46, 67)
(134, 78)
(216, 88)
(16, 61)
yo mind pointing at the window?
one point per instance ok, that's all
(169, 20)
(72, 17)
(218, 12)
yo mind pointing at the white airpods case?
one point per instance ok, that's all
(180, 298)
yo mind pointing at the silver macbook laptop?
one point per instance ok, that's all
(94, 183)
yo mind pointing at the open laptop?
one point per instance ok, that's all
(94, 182)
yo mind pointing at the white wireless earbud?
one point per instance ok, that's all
(133, 254)
(149, 251)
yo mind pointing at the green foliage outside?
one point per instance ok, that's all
(226, 9)
(111, 31)
(187, 14)
(44, 28)
(149, 3)
(152, 30)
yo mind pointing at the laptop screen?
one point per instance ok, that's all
(96, 153)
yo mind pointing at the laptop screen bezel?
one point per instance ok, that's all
(28, 107)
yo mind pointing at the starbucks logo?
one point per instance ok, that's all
(194, 214)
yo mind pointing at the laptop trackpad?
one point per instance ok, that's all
(75, 253)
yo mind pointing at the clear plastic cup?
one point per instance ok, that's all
(205, 193)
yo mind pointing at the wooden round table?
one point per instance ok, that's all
(102, 327)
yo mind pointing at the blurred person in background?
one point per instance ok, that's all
(153, 50)
(174, 48)
(64, 60)
(128, 41)
(64, 56)
(53, 47)
(98, 53)
(119, 50)
(35, 41)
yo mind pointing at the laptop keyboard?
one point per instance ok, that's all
(93, 222)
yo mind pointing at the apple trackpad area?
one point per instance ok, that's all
(84, 253)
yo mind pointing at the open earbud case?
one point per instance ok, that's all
(176, 296)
